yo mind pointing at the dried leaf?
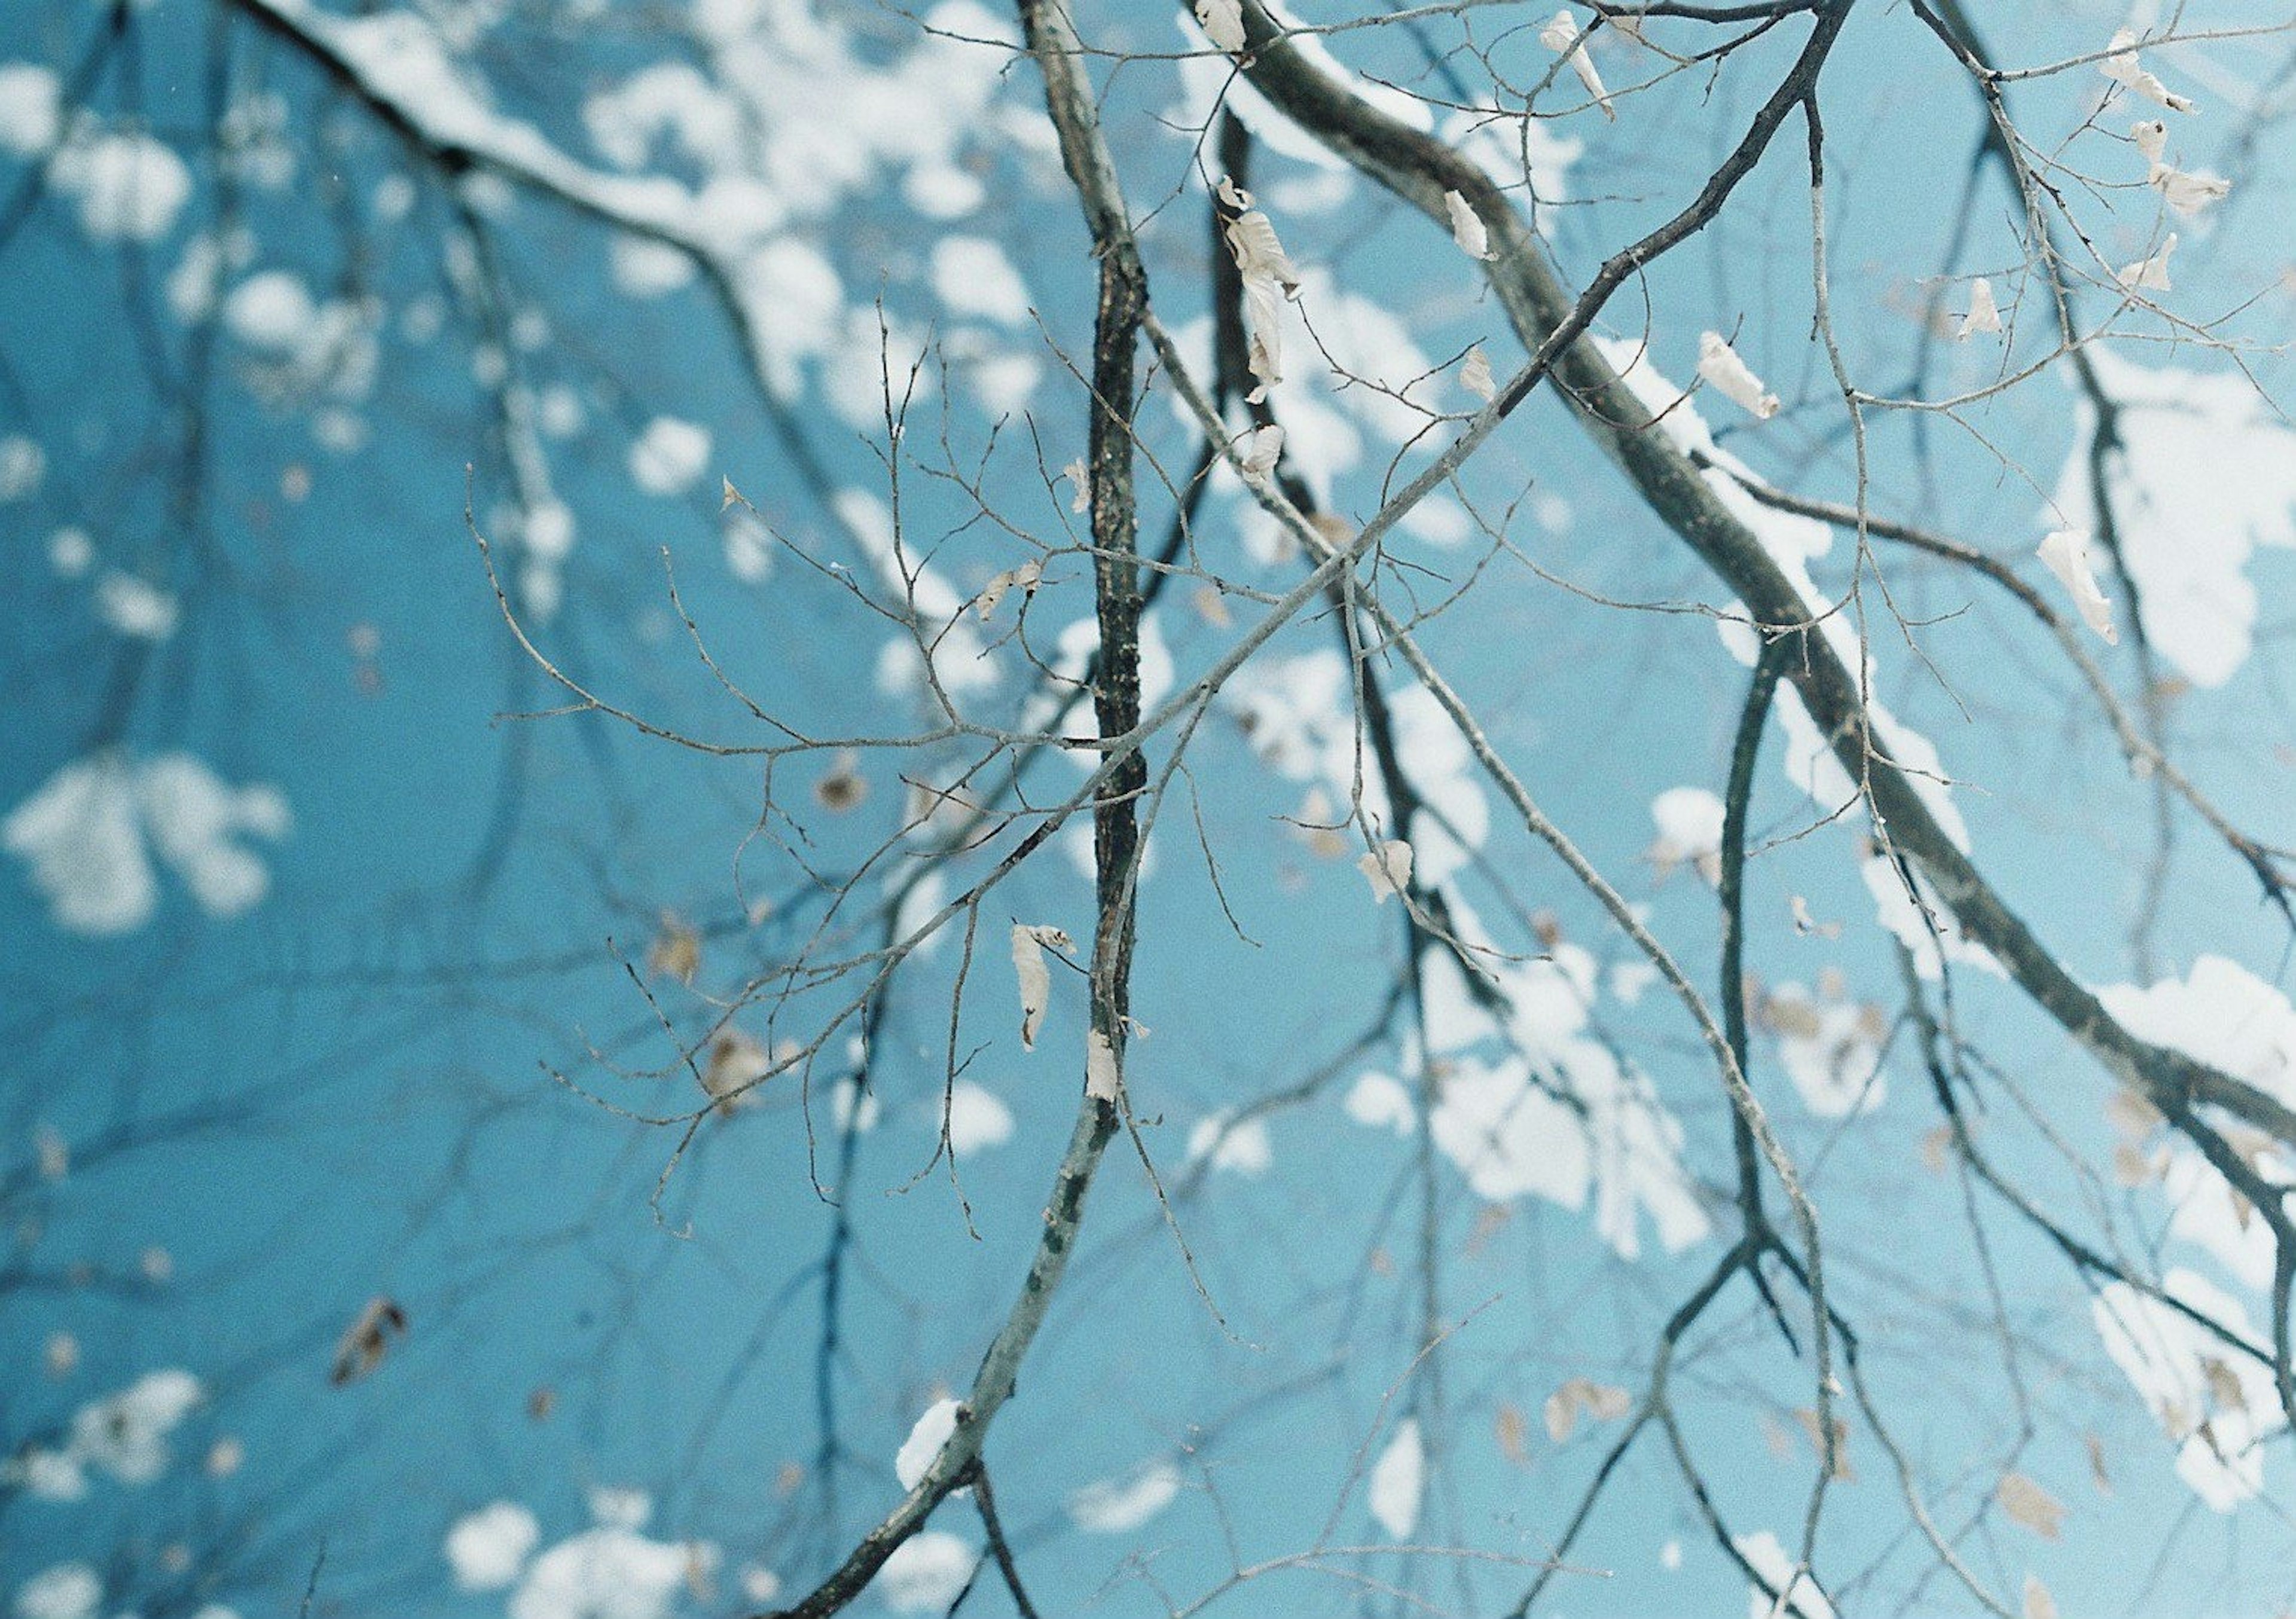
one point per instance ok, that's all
(1720, 365)
(1081, 480)
(1513, 1435)
(1842, 1471)
(1223, 23)
(2038, 1603)
(2065, 553)
(1475, 375)
(2149, 275)
(1804, 924)
(1024, 578)
(1984, 315)
(843, 787)
(2032, 1507)
(1602, 1401)
(1268, 278)
(1386, 868)
(1467, 227)
(676, 950)
(1561, 36)
(362, 1346)
(2123, 69)
(736, 1064)
(1035, 975)
(1257, 453)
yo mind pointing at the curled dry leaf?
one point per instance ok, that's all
(2187, 193)
(1104, 1081)
(1024, 578)
(2029, 1505)
(1602, 1401)
(2123, 69)
(2065, 552)
(370, 1336)
(676, 950)
(1513, 1435)
(1268, 278)
(1386, 868)
(1080, 483)
(1223, 23)
(1475, 375)
(1467, 227)
(1720, 366)
(1035, 975)
(1984, 315)
(1257, 453)
(2149, 275)
(1561, 36)
(736, 1064)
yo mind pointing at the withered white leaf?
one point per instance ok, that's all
(1467, 227)
(2151, 273)
(1269, 278)
(737, 1062)
(1024, 578)
(2187, 193)
(2038, 1603)
(1102, 1082)
(1035, 975)
(2123, 68)
(1257, 452)
(1475, 375)
(1720, 365)
(1805, 923)
(1080, 479)
(1984, 315)
(2031, 1506)
(2065, 552)
(1561, 36)
(1223, 23)
(1386, 868)
(1604, 1402)
(676, 950)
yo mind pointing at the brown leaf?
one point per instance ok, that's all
(2031, 1506)
(362, 1348)
(1842, 1471)
(1513, 1435)
(677, 950)
(2097, 1473)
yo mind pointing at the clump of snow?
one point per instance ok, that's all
(24, 468)
(31, 109)
(1769, 1558)
(489, 1547)
(1689, 821)
(1379, 1101)
(611, 1570)
(971, 275)
(923, 1445)
(1241, 1148)
(2204, 474)
(1118, 1506)
(67, 1591)
(2215, 1403)
(669, 456)
(1831, 1046)
(923, 1574)
(89, 834)
(135, 606)
(1398, 1481)
(977, 1119)
(128, 185)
